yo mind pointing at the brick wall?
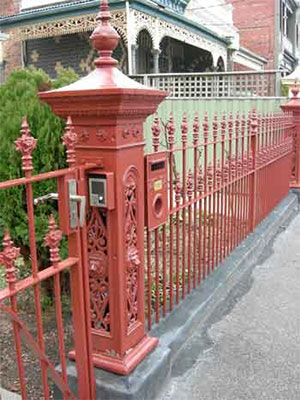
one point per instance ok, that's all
(255, 21)
(9, 7)
(12, 54)
(239, 67)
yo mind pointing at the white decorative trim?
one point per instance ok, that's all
(68, 26)
(159, 28)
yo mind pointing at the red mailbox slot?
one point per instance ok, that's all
(156, 189)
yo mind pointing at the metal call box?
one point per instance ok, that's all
(101, 190)
(156, 189)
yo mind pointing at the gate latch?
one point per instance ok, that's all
(74, 198)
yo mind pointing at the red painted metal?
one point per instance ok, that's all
(292, 109)
(212, 190)
(170, 141)
(26, 144)
(108, 110)
(221, 190)
(156, 171)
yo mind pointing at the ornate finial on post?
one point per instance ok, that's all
(26, 144)
(230, 125)
(295, 90)
(184, 129)
(237, 124)
(105, 38)
(69, 140)
(8, 257)
(254, 123)
(215, 126)
(52, 240)
(155, 133)
(171, 131)
(223, 127)
(196, 127)
(205, 127)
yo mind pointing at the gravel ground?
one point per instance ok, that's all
(8, 363)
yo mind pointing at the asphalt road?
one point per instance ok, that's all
(250, 349)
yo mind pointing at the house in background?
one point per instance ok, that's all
(156, 36)
(269, 28)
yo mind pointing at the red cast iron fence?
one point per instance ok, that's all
(9, 303)
(220, 188)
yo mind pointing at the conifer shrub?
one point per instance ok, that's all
(19, 98)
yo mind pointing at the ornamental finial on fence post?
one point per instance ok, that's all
(230, 125)
(7, 258)
(26, 144)
(105, 39)
(223, 127)
(215, 126)
(196, 127)
(237, 124)
(205, 127)
(254, 123)
(184, 129)
(171, 131)
(155, 133)
(69, 140)
(52, 240)
(295, 90)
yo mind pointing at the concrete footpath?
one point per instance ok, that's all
(250, 348)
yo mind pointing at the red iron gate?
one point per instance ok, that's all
(74, 264)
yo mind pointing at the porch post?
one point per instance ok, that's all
(108, 111)
(134, 49)
(293, 108)
(155, 53)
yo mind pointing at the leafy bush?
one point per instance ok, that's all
(284, 90)
(19, 97)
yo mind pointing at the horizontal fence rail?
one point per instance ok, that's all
(215, 84)
(220, 186)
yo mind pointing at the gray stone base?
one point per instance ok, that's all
(146, 380)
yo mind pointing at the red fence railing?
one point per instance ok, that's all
(220, 187)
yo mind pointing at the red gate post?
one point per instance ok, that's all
(293, 108)
(108, 111)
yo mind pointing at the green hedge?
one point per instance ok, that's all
(19, 98)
